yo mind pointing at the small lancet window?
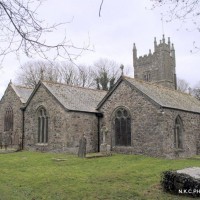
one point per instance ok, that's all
(178, 133)
(8, 119)
(42, 126)
(147, 76)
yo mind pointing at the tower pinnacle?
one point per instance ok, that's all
(158, 66)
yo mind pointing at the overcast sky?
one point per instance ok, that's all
(122, 23)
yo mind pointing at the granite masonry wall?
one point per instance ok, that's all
(11, 99)
(64, 127)
(152, 129)
(145, 121)
(190, 136)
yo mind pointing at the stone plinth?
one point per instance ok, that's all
(105, 149)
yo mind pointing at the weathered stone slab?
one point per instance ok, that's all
(191, 171)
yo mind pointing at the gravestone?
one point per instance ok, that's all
(82, 147)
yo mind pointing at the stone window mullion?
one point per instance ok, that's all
(40, 129)
(46, 129)
(44, 133)
(122, 127)
(42, 126)
(8, 119)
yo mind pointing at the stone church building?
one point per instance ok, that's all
(142, 115)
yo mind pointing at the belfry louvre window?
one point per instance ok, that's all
(8, 119)
(122, 126)
(42, 126)
(178, 133)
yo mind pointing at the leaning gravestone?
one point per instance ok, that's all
(182, 182)
(82, 147)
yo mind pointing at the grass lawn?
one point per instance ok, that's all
(35, 176)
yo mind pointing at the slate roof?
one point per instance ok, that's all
(163, 96)
(22, 92)
(74, 97)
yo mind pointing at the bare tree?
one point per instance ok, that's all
(187, 11)
(105, 73)
(196, 91)
(100, 7)
(102, 75)
(32, 72)
(85, 76)
(59, 72)
(80, 75)
(182, 85)
(181, 9)
(23, 32)
(69, 73)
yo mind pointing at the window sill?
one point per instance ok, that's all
(178, 150)
(41, 144)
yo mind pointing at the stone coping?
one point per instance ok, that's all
(3, 151)
(191, 171)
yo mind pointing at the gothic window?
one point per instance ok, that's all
(8, 119)
(122, 126)
(178, 133)
(147, 76)
(42, 126)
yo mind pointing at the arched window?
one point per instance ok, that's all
(178, 133)
(42, 126)
(122, 126)
(8, 119)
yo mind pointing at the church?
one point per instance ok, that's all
(143, 115)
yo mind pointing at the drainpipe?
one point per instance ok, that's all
(99, 116)
(23, 135)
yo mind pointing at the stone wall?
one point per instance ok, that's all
(146, 136)
(65, 127)
(152, 128)
(191, 132)
(11, 99)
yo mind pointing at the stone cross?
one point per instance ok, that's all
(104, 132)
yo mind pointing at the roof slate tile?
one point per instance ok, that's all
(166, 97)
(76, 98)
(22, 92)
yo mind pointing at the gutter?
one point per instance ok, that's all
(99, 116)
(23, 131)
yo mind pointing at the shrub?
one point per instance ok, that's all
(181, 184)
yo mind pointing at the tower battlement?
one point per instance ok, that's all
(159, 66)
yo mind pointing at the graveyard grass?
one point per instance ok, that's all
(35, 176)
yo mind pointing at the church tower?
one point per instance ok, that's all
(157, 67)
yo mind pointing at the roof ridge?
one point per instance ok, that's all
(75, 86)
(157, 85)
(22, 86)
